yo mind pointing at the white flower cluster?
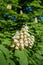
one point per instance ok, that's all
(9, 6)
(23, 39)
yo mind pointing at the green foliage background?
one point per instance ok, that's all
(10, 56)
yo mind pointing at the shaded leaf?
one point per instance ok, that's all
(22, 58)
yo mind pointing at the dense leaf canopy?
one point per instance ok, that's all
(13, 15)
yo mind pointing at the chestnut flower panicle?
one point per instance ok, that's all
(23, 39)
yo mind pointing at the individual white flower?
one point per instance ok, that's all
(26, 43)
(16, 41)
(13, 37)
(25, 36)
(29, 42)
(17, 44)
(26, 27)
(9, 6)
(28, 35)
(21, 41)
(17, 37)
(32, 38)
(30, 46)
(21, 35)
(23, 29)
(22, 46)
(29, 39)
(32, 42)
(17, 47)
(25, 39)
(25, 33)
(21, 12)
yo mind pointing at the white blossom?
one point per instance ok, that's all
(28, 35)
(32, 38)
(13, 37)
(22, 46)
(23, 39)
(29, 39)
(25, 36)
(26, 43)
(9, 6)
(17, 37)
(17, 47)
(30, 46)
(18, 44)
(23, 29)
(16, 41)
(21, 34)
(26, 27)
(25, 32)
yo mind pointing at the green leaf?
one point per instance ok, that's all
(12, 62)
(2, 35)
(6, 41)
(2, 59)
(4, 50)
(22, 57)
